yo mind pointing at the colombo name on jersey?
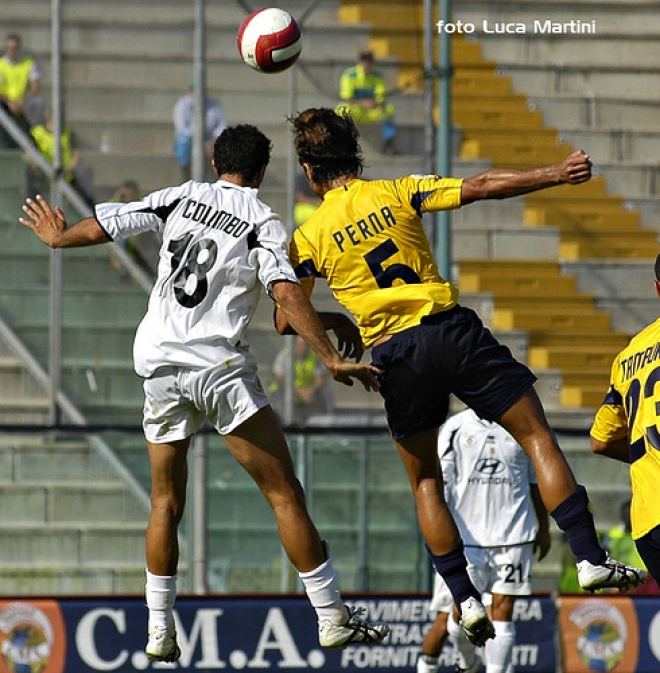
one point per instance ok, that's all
(368, 241)
(630, 408)
(214, 237)
(487, 478)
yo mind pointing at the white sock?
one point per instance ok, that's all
(499, 650)
(427, 664)
(160, 591)
(465, 649)
(322, 587)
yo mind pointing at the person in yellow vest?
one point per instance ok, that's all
(309, 384)
(363, 93)
(76, 172)
(20, 82)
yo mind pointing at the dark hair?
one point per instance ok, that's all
(657, 268)
(328, 142)
(241, 150)
(367, 56)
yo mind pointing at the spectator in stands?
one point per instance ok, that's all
(310, 393)
(20, 82)
(626, 428)
(127, 192)
(190, 350)
(184, 129)
(306, 201)
(502, 522)
(363, 92)
(76, 171)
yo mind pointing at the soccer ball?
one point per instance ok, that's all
(269, 40)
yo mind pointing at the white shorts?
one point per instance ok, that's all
(179, 400)
(493, 570)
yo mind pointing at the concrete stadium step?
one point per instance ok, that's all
(505, 214)
(587, 377)
(15, 382)
(73, 543)
(620, 280)
(543, 135)
(61, 502)
(570, 319)
(470, 111)
(630, 315)
(630, 82)
(569, 110)
(614, 49)
(567, 358)
(528, 285)
(506, 267)
(585, 336)
(609, 247)
(583, 396)
(491, 242)
(173, 37)
(631, 178)
(70, 579)
(575, 216)
(616, 144)
(518, 153)
(79, 306)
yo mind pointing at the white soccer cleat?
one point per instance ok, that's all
(609, 575)
(475, 622)
(162, 645)
(339, 632)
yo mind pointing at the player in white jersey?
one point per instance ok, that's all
(221, 246)
(491, 490)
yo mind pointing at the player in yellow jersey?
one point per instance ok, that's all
(367, 240)
(627, 428)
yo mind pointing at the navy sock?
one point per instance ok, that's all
(453, 569)
(574, 517)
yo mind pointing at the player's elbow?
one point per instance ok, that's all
(597, 446)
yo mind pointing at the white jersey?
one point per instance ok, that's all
(219, 241)
(487, 479)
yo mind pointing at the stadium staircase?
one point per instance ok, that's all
(568, 331)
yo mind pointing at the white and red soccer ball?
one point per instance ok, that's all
(269, 40)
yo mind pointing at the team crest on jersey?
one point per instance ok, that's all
(470, 441)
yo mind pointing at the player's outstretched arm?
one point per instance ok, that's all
(504, 183)
(50, 226)
(349, 341)
(298, 313)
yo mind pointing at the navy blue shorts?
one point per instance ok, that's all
(449, 352)
(649, 549)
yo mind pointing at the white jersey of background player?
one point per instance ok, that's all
(490, 488)
(487, 480)
(227, 233)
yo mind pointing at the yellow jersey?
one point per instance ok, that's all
(368, 241)
(632, 407)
